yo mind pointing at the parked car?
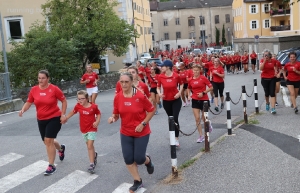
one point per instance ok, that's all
(197, 51)
(157, 60)
(144, 56)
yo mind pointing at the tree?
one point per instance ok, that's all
(93, 25)
(217, 36)
(223, 35)
(42, 50)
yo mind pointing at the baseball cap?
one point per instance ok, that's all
(167, 63)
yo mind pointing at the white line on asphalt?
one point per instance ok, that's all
(10, 181)
(123, 188)
(9, 113)
(285, 97)
(5, 159)
(71, 183)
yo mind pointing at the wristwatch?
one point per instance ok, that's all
(144, 123)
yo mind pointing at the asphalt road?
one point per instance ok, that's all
(21, 137)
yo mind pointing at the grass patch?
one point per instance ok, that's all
(253, 121)
(239, 122)
(203, 149)
(187, 163)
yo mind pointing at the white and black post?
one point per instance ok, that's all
(229, 126)
(173, 146)
(206, 126)
(244, 104)
(255, 96)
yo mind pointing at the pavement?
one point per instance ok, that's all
(262, 156)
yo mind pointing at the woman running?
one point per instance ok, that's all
(169, 80)
(293, 78)
(141, 71)
(217, 74)
(183, 74)
(49, 117)
(90, 80)
(200, 86)
(245, 61)
(152, 80)
(278, 73)
(135, 110)
(253, 57)
(268, 79)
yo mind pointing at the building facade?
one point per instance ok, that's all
(190, 22)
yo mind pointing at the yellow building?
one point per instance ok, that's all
(265, 18)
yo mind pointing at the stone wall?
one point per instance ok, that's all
(70, 88)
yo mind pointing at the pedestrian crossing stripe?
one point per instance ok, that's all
(6, 159)
(123, 188)
(12, 180)
(71, 183)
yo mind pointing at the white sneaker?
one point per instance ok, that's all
(177, 143)
(184, 105)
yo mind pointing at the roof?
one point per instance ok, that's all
(250, 1)
(153, 5)
(191, 4)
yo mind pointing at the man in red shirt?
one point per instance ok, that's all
(253, 57)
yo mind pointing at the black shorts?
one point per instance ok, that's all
(278, 79)
(199, 104)
(185, 85)
(153, 90)
(253, 61)
(296, 84)
(49, 128)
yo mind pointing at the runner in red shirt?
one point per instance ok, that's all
(229, 64)
(89, 119)
(278, 73)
(217, 74)
(171, 96)
(245, 61)
(138, 84)
(253, 57)
(183, 73)
(90, 80)
(268, 79)
(141, 71)
(200, 86)
(49, 116)
(135, 110)
(293, 78)
(148, 70)
(152, 81)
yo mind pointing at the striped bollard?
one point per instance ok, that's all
(229, 126)
(206, 126)
(173, 146)
(244, 104)
(255, 96)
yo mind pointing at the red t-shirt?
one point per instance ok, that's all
(87, 117)
(169, 85)
(278, 65)
(132, 113)
(141, 71)
(118, 87)
(253, 56)
(183, 75)
(269, 69)
(245, 59)
(92, 77)
(46, 101)
(215, 77)
(148, 71)
(229, 60)
(292, 76)
(152, 81)
(141, 86)
(198, 85)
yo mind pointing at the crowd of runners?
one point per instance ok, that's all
(181, 80)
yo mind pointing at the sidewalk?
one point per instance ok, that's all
(261, 157)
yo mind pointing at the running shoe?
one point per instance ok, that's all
(61, 153)
(91, 169)
(188, 102)
(222, 105)
(267, 106)
(217, 109)
(177, 143)
(156, 112)
(50, 170)
(212, 100)
(273, 111)
(210, 126)
(200, 139)
(136, 185)
(296, 110)
(276, 104)
(150, 166)
(184, 105)
(95, 160)
(159, 105)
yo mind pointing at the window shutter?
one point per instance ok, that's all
(257, 24)
(249, 8)
(256, 9)
(250, 24)
(263, 8)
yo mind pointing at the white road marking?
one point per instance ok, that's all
(285, 97)
(71, 183)
(123, 188)
(5, 159)
(10, 181)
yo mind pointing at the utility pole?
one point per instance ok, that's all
(6, 77)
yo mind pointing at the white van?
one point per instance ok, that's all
(211, 49)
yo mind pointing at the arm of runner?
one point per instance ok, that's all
(25, 107)
(96, 123)
(159, 93)
(113, 118)
(179, 93)
(69, 116)
(63, 111)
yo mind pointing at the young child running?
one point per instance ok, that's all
(89, 118)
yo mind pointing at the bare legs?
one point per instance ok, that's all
(51, 146)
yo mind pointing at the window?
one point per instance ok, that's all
(14, 28)
(153, 37)
(134, 6)
(253, 9)
(149, 30)
(141, 30)
(202, 20)
(177, 21)
(192, 35)
(191, 22)
(151, 24)
(151, 14)
(227, 18)
(165, 22)
(267, 23)
(217, 19)
(254, 24)
(166, 36)
(145, 30)
(202, 33)
(266, 8)
(178, 35)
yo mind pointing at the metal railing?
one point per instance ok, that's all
(280, 28)
(4, 91)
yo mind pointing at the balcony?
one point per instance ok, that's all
(280, 12)
(280, 28)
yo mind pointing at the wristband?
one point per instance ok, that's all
(144, 123)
